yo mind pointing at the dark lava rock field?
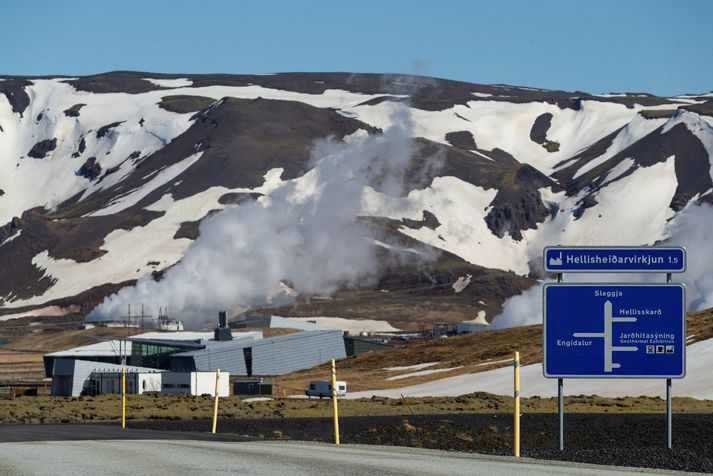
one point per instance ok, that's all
(637, 440)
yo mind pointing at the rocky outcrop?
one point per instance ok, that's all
(462, 140)
(518, 205)
(42, 148)
(90, 169)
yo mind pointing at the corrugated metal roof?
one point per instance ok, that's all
(215, 346)
(271, 356)
(192, 344)
(107, 348)
(181, 335)
(104, 366)
(111, 347)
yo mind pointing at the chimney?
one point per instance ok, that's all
(222, 332)
(222, 319)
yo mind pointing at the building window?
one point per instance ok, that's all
(145, 354)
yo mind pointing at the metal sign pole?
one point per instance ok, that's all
(668, 413)
(516, 407)
(668, 397)
(560, 397)
(560, 409)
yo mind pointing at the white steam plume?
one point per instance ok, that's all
(305, 232)
(691, 228)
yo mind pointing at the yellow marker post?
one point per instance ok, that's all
(123, 397)
(334, 403)
(516, 365)
(407, 404)
(215, 407)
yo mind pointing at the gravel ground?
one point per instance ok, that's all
(637, 440)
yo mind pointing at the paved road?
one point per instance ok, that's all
(76, 432)
(161, 457)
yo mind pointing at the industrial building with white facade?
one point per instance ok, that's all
(186, 362)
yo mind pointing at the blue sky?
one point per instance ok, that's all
(661, 47)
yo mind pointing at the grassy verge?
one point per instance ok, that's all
(183, 407)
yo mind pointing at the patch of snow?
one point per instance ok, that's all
(699, 127)
(50, 181)
(496, 124)
(695, 384)
(491, 362)
(353, 326)
(576, 130)
(648, 190)
(395, 248)
(357, 134)
(9, 239)
(618, 170)
(170, 83)
(410, 367)
(479, 319)
(47, 182)
(461, 283)
(422, 372)
(134, 196)
(483, 155)
(459, 207)
(635, 130)
(288, 290)
(125, 260)
(330, 98)
(612, 95)
(688, 100)
(695, 95)
(44, 311)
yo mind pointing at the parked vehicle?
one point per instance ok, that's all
(323, 388)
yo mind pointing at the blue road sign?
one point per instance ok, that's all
(597, 259)
(614, 330)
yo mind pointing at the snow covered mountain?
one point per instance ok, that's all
(106, 179)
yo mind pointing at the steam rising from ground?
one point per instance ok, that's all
(691, 228)
(305, 232)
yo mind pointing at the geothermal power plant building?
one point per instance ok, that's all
(190, 353)
(264, 357)
(71, 378)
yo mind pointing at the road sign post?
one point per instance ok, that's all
(613, 330)
(609, 259)
(560, 411)
(516, 406)
(669, 431)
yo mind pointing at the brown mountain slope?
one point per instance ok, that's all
(470, 353)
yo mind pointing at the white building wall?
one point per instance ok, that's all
(205, 383)
(72, 377)
(136, 383)
(195, 383)
(149, 383)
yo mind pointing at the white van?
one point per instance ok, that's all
(323, 388)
